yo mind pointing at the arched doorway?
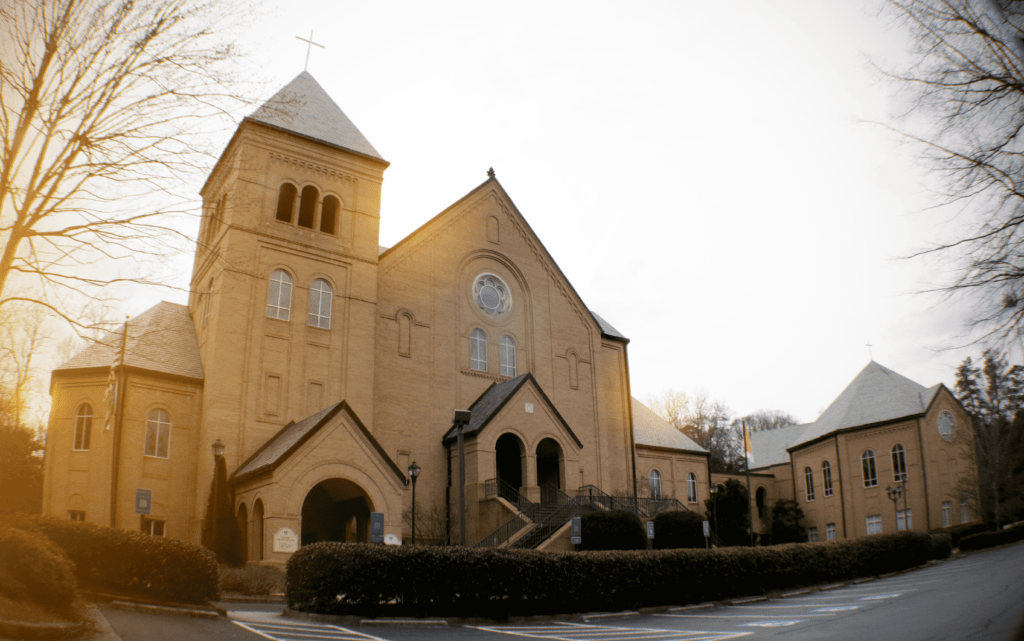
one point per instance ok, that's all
(508, 455)
(257, 530)
(759, 498)
(336, 510)
(549, 472)
(243, 528)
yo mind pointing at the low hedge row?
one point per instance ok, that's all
(32, 568)
(991, 539)
(130, 562)
(346, 578)
(612, 530)
(678, 529)
(958, 532)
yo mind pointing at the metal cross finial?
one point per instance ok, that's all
(490, 172)
(869, 346)
(309, 47)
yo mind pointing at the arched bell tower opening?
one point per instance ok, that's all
(509, 454)
(549, 469)
(336, 510)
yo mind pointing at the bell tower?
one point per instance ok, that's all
(284, 284)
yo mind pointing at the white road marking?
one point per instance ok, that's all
(735, 616)
(772, 624)
(583, 632)
(284, 631)
(878, 597)
(837, 608)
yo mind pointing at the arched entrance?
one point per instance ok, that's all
(336, 510)
(508, 454)
(243, 528)
(549, 469)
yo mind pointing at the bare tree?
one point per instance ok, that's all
(108, 112)
(965, 85)
(21, 341)
(762, 420)
(705, 420)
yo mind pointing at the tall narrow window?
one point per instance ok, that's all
(320, 296)
(812, 534)
(947, 513)
(286, 202)
(899, 463)
(152, 527)
(206, 309)
(404, 335)
(279, 295)
(655, 484)
(874, 524)
(83, 427)
(574, 370)
(158, 434)
(830, 532)
(76, 515)
(965, 512)
(508, 355)
(329, 214)
(826, 477)
(867, 464)
(759, 501)
(904, 520)
(478, 350)
(691, 488)
(307, 206)
(809, 483)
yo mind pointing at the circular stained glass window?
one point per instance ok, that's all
(947, 425)
(491, 294)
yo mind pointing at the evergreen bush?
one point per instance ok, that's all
(984, 540)
(32, 568)
(957, 532)
(129, 563)
(678, 529)
(612, 530)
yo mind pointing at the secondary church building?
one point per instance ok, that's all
(324, 365)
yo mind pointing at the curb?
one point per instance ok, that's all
(27, 630)
(164, 610)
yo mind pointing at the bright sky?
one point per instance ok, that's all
(699, 171)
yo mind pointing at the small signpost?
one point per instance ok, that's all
(650, 529)
(144, 502)
(575, 529)
(707, 534)
(376, 527)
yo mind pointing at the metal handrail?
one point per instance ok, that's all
(590, 490)
(560, 516)
(504, 532)
(498, 487)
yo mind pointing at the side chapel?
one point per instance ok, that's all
(325, 365)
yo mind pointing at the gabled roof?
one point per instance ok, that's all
(876, 395)
(494, 398)
(303, 107)
(770, 445)
(292, 436)
(653, 431)
(162, 339)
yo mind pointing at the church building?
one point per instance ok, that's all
(321, 365)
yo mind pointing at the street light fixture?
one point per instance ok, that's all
(218, 453)
(414, 472)
(894, 495)
(218, 450)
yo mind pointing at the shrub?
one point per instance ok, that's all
(32, 568)
(612, 530)
(252, 580)
(678, 529)
(346, 578)
(130, 562)
(957, 532)
(992, 539)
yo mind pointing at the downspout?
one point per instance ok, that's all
(842, 498)
(629, 415)
(448, 497)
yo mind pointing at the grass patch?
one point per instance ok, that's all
(252, 580)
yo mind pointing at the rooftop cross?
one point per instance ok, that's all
(869, 346)
(309, 47)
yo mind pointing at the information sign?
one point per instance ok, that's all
(144, 502)
(707, 529)
(376, 527)
(650, 529)
(575, 529)
(285, 540)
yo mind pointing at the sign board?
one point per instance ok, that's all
(376, 527)
(575, 528)
(285, 540)
(144, 502)
(707, 529)
(650, 529)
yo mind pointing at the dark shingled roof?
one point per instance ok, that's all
(303, 107)
(293, 435)
(606, 327)
(653, 431)
(161, 339)
(493, 399)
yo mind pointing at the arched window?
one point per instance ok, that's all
(329, 214)
(307, 206)
(206, 309)
(478, 350)
(574, 370)
(691, 488)
(809, 482)
(83, 427)
(655, 484)
(759, 500)
(279, 295)
(899, 463)
(867, 464)
(286, 202)
(158, 434)
(405, 335)
(826, 477)
(320, 296)
(508, 355)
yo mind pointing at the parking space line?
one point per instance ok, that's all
(584, 632)
(737, 616)
(299, 631)
(773, 607)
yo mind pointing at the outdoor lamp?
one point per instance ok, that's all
(218, 449)
(414, 472)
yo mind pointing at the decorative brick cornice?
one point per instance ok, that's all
(310, 166)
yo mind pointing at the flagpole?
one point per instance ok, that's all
(746, 464)
(119, 395)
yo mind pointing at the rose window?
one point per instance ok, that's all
(491, 294)
(947, 425)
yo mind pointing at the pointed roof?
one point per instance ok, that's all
(876, 395)
(653, 431)
(303, 107)
(770, 445)
(162, 339)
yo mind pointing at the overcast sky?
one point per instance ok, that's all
(701, 171)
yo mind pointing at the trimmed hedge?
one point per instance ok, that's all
(612, 530)
(678, 529)
(992, 539)
(130, 562)
(348, 578)
(33, 568)
(958, 532)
